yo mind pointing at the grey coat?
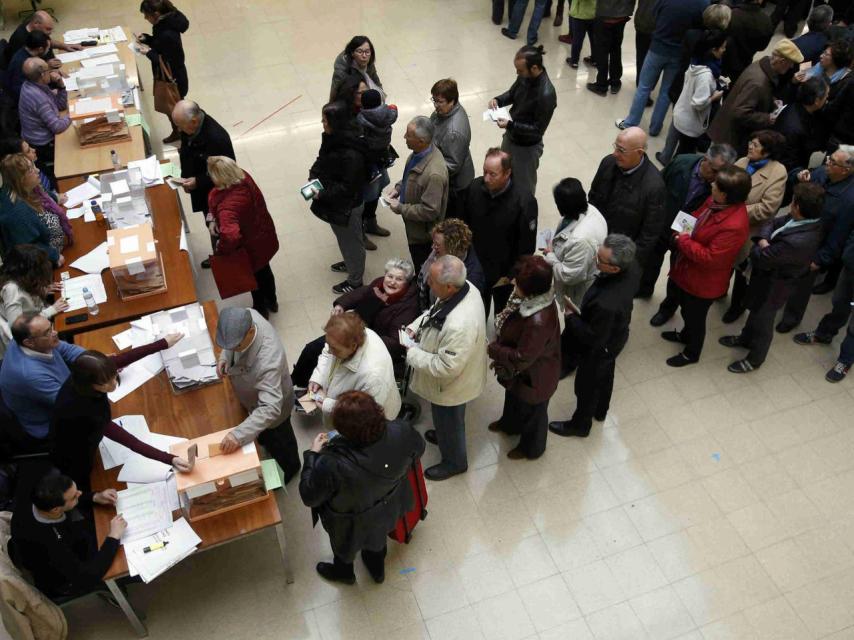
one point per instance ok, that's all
(261, 380)
(453, 137)
(343, 68)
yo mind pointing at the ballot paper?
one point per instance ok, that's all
(494, 115)
(544, 238)
(93, 262)
(182, 542)
(71, 56)
(104, 49)
(405, 339)
(76, 36)
(136, 375)
(146, 510)
(83, 192)
(72, 290)
(144, 470)
(150, 169)
(71, 83)
(683, 222)
(94, 62)
(123, 339)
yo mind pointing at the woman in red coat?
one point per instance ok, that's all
(526, 357)
(238, 219)
(705, 258)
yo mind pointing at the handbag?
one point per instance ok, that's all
(233, 273)
(166, 93)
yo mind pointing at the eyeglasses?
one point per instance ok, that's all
(362, 52)
(439, 100)
(622, 150)
(833, 163)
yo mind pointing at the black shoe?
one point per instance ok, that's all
(369, 245)
(567, 428)
(672, 336)
(838, 373)
(600, 418)
(206, 263)
(785, 327)
(328, 572)
(345, 287)
(680, 360)
(589, 60)
(565, 372)
(273, 306)
(430, 436)
(440, 472)
(339, 267)
(374, 229)
(742, 366)
(823, 287)
(597, 89)
(615, 88)
(732, 314)
(660, 318)
(660, 159)
(731, 341)
(506, 33)
(379, 578)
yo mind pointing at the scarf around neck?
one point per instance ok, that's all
(525, 306)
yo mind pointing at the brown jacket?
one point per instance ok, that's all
(766, 195)
(426, 197)
(527, 354)
(747, 108)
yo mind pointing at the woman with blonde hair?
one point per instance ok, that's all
(238, 220)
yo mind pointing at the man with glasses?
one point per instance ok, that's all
(43, 96)
(688, 180)
(630, 193)
(34, 369)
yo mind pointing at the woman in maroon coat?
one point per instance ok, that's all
(705, 257)
(238, 218)
(526, 357)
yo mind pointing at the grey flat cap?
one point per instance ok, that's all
(234, 323)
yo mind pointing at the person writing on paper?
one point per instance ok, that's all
(254, 360)
(43, 96)
(356, 484)
(56, 542)
(82, 416)
(165, 43)
(354, 359)
(26, 280)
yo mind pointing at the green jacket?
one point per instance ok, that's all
(583, 9)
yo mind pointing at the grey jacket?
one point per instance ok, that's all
(343, 67)
(262, 381)
(614, 8)
(426, 197)
(453, 137)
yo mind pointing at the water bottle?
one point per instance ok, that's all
(89, 299)
(114, 156)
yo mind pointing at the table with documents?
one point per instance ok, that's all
(175, 417)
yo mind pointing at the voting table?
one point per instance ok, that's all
(190, 415)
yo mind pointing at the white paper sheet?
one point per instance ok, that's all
(93, 262)
(93, 52)
(171, 490)
(123, 339)
(143, 470)
(495, 115)
(73, 214)
(146, 510)
(76, 36)
(683, 222)
(113, 34)
(150, 168)
(119, 187)
(182, 542)
(71, 56)
(544, 238)
(136, 375)
(71, 83)
(129, 244)
(72, 290)
(94, 62)
(77, 195)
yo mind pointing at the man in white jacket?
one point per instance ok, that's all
(448, 360)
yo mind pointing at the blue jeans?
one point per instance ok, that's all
(518, 13)
(450, 425)
(654, 65)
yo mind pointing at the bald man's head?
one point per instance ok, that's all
(42, 21)
(34, 70)
(629, 148)
(187, 116)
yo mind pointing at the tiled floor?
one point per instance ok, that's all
(708, 507)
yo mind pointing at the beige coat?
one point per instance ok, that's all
(426, 197)
(766, 195)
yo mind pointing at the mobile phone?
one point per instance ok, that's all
(88, 43)
(332, 434)
(80, 317)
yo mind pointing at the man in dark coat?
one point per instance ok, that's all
(601, 330)
(749, 32)
(798, 124)
(780, 258)
(629, 192)
(688, 180)
(201, 137)
(503, 222)
(814, 41)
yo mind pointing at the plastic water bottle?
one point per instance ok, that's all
(114, 156)
(89, 299)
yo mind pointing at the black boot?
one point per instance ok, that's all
(336, 572)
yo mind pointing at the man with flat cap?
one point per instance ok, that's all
(254, 360)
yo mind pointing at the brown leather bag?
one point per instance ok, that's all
(165, 89)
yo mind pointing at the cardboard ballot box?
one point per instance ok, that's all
(219, 482)
(95, 106)
(135, 262)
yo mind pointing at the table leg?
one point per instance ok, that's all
(129, 612)
(280, 534)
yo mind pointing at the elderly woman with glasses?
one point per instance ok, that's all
(451, 236)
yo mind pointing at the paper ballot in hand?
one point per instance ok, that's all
(684, 223)
(494, 115)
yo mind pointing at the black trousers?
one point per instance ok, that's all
(456, 203)
(45, 156)
(370, 211)
(758, 332)
(642, 42)
(307, 361)
(498, 10)
(530, 421)
(419, 254)
(265, 295)
(499, 294)
(570, 351)
(594, 384)
(374, 561)
(797, 303)
(652, 268)
(694, 312)
(607, 46)
(738, 297)
(281, 443)
(791, 12)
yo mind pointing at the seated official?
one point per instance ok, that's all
(354, 359)
(36, 45)
(356, 483)
(56, 543)
(82, 415)
(451, 237)
(385, 305)
(254, 360)
(12, 145)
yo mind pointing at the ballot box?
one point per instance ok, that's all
(135, 262)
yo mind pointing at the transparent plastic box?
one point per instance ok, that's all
(124, 200)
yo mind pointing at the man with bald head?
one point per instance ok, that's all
(39, 21)
(42, 97)
(201, 138)
(630, 192)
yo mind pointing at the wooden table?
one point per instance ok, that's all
(71, 159)
(189, 415)
(176, 264)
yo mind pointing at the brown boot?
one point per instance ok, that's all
(172, 137)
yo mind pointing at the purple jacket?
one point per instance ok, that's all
(38, 108)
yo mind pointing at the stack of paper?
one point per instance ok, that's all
(71, 56)
(136, 375)
(114, 34)
(94, 62)
(146, 510)
(150, 168)
(179, 541)
(104, 49)
(72, 290)
(86, 191)
(93, 262)
(114, 454)
(76, 36)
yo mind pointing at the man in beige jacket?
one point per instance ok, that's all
(448, 360)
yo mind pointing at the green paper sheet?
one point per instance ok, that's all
(273, 478)
(168, 169)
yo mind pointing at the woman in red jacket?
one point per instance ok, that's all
(705, 258)
(239, 220)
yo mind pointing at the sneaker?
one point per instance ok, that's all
(621, 124)
(345, 287)
(810, 337)
(838, 373)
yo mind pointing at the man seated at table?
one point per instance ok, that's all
(254, 360)
(39, 21)
(43, 96)
(201, 138)
(36, 45)
(56, 542)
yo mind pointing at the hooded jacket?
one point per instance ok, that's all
(376, 124)
(692, 110)
(165, 40)
(342, 170)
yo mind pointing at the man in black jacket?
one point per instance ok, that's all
(601, 330)
(749, 32)
(56, 543)
(534, 101)
(503, 223)
(201, 138)
(797, 123)
(630, 193)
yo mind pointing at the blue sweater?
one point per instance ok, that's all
(29, 384)
(672, 19)
(20, 224)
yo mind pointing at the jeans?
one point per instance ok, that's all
(530, 421)
(517, 14)
(839, 315)
(265, 294)
(579, 28)
(654, 66)
(526, 161)
(450, 425)
(607, 43)
(351, 246)
(678, 143)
